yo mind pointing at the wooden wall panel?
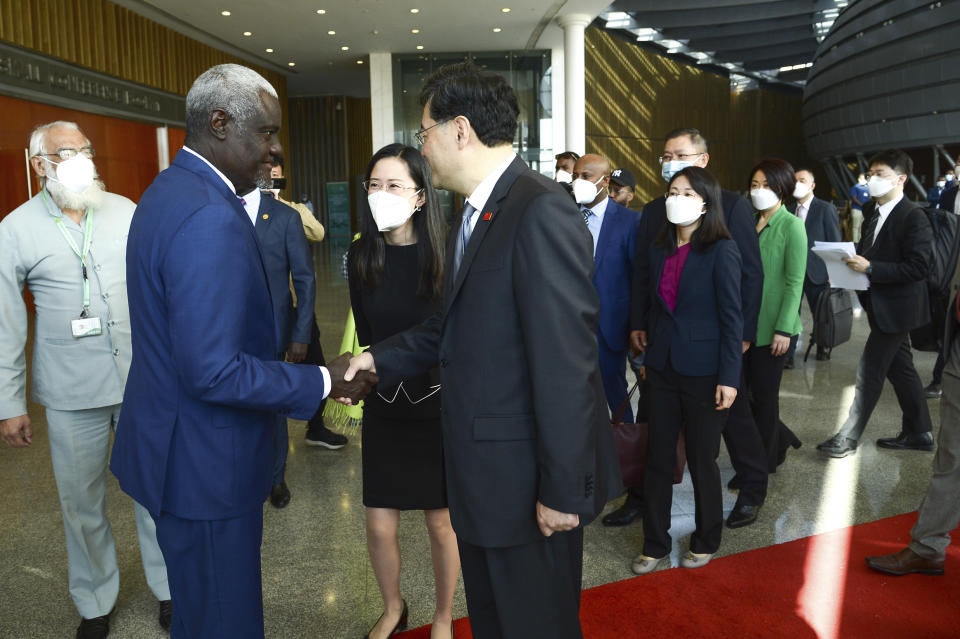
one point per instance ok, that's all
(111, 39)
(634, 97)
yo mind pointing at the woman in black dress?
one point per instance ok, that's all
(396, 273)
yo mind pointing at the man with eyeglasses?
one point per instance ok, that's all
(894, 253)
(682, 148)
(68, 243)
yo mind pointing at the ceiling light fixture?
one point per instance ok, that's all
(419, 47)
(321, 11)
(497, 29)
(331, 32)
(247, 33)
(344, 48)
(359, 61)
(224, 13)
(414, 10)
(505, 10)
(291, 64)
(414, 30)
(269, 50)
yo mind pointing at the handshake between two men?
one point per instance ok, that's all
(351, 378)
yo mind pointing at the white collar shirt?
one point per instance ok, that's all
(478, 199)
(883, 211)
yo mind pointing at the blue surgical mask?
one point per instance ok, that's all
(671, 168)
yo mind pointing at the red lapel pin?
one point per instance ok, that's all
(487, 216)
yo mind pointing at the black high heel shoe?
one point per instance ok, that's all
(401, 625)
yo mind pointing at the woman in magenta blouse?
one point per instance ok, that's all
(691, 331)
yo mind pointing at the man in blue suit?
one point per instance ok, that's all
(614, 231)
(194, 445)
(288, 261)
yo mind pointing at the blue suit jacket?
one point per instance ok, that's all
(702, 335)
(613, 273)
(196, 430)
(287, 255)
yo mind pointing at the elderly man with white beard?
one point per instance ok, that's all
(68, 244)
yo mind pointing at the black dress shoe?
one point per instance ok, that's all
(96, 628)
(401, 625)
(742, 515)
(933, 391)
(625, 514)
(908, 441)
(782, 455)
(838, 446)
(166, 614)
(280, 495)
(735, 483)
(823, 355)
(788, 364)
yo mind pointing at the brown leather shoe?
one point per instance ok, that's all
(905, 562)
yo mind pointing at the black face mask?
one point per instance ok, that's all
(280, 183)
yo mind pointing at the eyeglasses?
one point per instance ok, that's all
(65, 153)
(679, 156)
(371, 186)
(419, 137)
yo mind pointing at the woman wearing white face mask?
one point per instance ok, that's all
(783, 251)
(396, 275)
(691, 335)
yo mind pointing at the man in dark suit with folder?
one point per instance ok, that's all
(527, 441)
(894, 252)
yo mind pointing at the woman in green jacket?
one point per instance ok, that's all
(783, 252)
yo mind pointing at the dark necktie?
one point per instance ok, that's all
(586, 216)
(866, 238)
(463, 237)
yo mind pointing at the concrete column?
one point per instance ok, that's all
(381, 99)
(163, 148)
(574, 87)
(557, 100)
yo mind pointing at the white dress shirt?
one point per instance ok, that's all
(884, 212)
(595, 220)
(251, 204)
(478, 199)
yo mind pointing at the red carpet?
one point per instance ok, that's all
(789, 590)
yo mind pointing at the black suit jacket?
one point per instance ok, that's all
(524, 413)
(897, 300)
(738, 216)
(949, 196)
(286, 256)
(823, 225)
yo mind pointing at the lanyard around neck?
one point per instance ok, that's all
(87, 241)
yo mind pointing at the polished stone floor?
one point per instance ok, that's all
(317, 580)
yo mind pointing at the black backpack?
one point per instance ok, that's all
(832, 319)
(946, 251)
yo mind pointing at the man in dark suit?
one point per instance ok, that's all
(894, 252)
(682, 148)
(823, 225)
(948, 199)
(288, 262)
(939, 512)
(614, 232)
(194, 444)
(527, 443)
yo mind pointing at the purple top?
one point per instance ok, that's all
(670, 279)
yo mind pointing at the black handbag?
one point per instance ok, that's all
(631, 442)
(832, 320)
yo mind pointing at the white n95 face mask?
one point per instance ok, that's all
(878, 186)
(801, 190)
(763, 199)
(564, 177)
(671, 168)
(684, 211)
(585, 191)
(76, 174)
(389, 211)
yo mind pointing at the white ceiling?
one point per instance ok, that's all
(297, 33)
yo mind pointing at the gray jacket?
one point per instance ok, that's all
(68, 373)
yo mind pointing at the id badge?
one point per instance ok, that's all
(86, 327)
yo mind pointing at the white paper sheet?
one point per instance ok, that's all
(841, 275)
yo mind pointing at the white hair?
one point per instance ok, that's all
(39, 135)
(234, 88)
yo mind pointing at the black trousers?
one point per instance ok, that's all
(315, 356)
(887, 355)
(677, 400)
(764, 372)
(531, 591)
(747, 454)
